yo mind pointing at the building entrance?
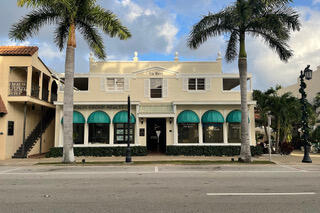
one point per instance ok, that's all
(156, 135)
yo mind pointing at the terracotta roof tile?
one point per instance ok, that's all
(17, 50)
(3, 109)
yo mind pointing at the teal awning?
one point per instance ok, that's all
(98, 117)
(77, 118)
(235, 117)
(122, 117)
(212, 116)
(188, 116)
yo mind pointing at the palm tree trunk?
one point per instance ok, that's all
(68, 155)
(278, 136)
(245, 153)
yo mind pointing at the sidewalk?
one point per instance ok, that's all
(293, 159)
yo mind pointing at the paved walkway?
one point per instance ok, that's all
(293, 159)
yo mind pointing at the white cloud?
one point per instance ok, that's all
(49, 52)
(134, 10)
(14, 43)
(169, 32)
(315, 1)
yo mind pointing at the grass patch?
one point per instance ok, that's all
(170, 162)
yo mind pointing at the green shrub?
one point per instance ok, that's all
(210, 150)
(99, 151)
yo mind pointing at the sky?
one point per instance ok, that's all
(160, 28)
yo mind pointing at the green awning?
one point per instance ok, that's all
(122, 117)
(235, 117)
(98, 117)
(77, 118)
(188, 116)
(212, 116)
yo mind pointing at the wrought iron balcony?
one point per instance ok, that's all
(18, 89)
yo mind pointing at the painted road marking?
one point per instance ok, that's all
(262, 194)
(290, 167)
(156, 169)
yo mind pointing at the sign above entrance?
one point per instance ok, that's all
(100, 107)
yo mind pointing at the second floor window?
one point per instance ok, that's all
(156, 87)
(115, 84)
(196, 84)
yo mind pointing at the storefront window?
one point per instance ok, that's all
(99, 133)
(121, 133)
(188, 133)
(234, 133)
(78, 133)
(213, 133)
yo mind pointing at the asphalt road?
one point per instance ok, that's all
(229, 188)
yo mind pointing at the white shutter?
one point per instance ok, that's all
(147, 88)
(185, 82)
(103, 84)
(165, 88)
(126, 84)
(208, 84)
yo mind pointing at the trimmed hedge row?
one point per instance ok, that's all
(99, 151)
(210, 150)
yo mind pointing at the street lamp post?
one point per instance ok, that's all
(128, 153)
(307, 73)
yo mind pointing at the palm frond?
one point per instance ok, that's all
(32, 22)
(211, 25)
(107, 21)
(232, 47)
(280, 46)
(93, 38)
(61, 33)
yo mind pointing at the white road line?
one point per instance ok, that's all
(9, 170)
(156, 169)
(262, 194)
(142, 172)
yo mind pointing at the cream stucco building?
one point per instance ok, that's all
(27, 89)
(173, 103)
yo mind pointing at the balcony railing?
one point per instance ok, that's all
(18, 89)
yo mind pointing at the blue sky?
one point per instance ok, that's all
(160, 28)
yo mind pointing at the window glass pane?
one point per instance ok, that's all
(200, 84)
(213, 133)
(192, 84)
(10, 128)
(99, 133)
(234, 132)
(119, 83)
(78, 133)
(156, 87)
(120, 133)
(188, 133)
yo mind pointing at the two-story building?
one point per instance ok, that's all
(173, 103)
(27, 92)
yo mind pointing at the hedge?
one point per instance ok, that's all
(99, 151)
(210, 150)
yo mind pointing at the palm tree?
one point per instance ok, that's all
(272, 20)
(69, 16)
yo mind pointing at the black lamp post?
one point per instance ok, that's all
(307, 73)
(128, 153)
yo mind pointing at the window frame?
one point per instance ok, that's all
(196, 85)
(115, 86)
(150, 88)
(206, 125)
(230, 132)
(93, 127)
(10, 131)
(125, 127)
(195, 128)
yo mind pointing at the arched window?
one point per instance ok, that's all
(99, 125)
(212, 125)
(78, 127)
(234, 126)
(188, 127)
(120, 121)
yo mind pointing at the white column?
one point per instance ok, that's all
(29, 80)
(225, 132)
(111, 131)
(175, 130)
(86, 134)
(40, 85)
(136, 137)
(200, 133)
